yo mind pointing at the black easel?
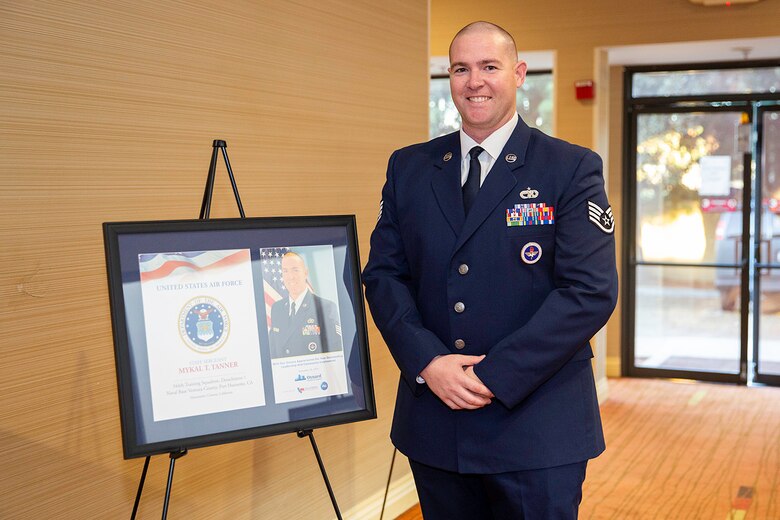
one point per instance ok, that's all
(173, 455)
(205, 209)
(310, 435)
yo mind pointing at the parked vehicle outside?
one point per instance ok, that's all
(728, 249)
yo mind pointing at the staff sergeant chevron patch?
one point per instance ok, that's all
(603, 219)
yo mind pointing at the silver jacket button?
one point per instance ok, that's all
(463, 268)
(459, 344)
(460, 307)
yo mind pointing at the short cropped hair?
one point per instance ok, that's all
(481, 24)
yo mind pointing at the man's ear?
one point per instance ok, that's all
(520, 70)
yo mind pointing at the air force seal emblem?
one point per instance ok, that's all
(204, 324)
(602, 219)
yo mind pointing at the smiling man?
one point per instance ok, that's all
(484, 77)
(492, 265)
(302, 323)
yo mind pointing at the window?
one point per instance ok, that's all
(534, 104)
(705, 82)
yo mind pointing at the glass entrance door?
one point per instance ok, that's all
(701, 273)
(766, 315)
(689, 244)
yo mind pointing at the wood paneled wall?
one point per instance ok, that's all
(107, 112)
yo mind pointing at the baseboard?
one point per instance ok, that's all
(402, 496)
(602, 390)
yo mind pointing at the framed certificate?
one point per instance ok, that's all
(227, 330)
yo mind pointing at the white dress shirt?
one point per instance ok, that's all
(493, 145)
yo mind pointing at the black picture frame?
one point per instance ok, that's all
(181, 295)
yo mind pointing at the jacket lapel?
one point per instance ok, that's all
(446, 181)
(499, 182)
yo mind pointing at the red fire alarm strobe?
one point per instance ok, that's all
(584, 89)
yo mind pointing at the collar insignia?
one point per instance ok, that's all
(447, 156)
(510, 157)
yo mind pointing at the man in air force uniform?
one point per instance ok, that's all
(491, 266)
(303, 323)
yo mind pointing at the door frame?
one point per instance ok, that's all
(760, 109)
(632, 108)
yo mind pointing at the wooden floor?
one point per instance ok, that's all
(684, 451)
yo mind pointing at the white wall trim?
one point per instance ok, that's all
(602, 390)
(697, 51)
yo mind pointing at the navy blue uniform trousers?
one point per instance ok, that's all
(540, 494)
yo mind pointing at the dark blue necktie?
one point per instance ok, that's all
(471, 188)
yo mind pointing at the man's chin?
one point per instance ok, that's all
(478, 126)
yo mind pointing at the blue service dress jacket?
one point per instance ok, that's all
(527, 278)
(313, 329)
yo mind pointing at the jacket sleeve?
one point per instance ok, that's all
(390, 293)
(585, 294)
(332, 341)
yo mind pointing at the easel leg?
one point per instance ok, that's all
(205, 207)
(310, 435)
(387, 487)
(140, 488)
(232, 180)
(174, 456)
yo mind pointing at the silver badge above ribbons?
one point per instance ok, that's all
(528, 193)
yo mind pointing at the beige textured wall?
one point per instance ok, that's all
(107, 112)
(576, 30)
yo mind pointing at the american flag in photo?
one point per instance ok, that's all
(273, 285)
(156, 266)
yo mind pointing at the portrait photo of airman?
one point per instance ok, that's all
(302, 322)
